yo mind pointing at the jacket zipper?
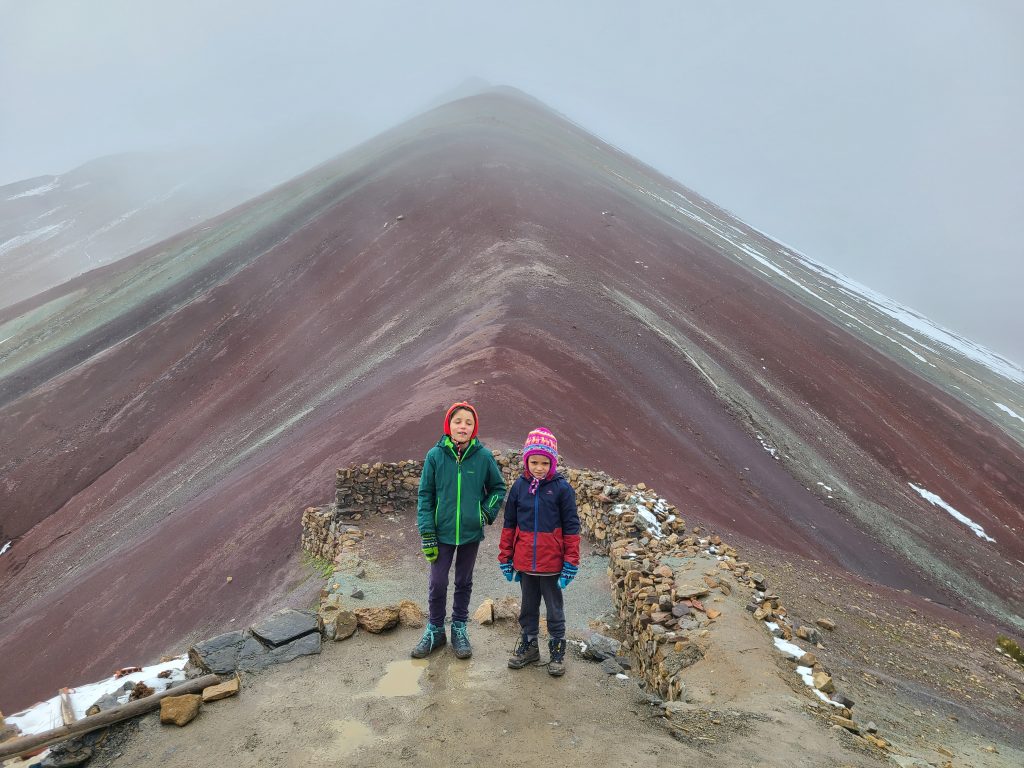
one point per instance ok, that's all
(536, 506)
(458, 505)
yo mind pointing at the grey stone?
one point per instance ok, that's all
(285, 626)
(219, 654)
(68, 754)
(611, 666)
(358, 594)
(600, 647)
(255, 656)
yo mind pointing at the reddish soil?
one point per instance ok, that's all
(163, 429)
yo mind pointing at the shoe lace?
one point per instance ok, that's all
(460, 631)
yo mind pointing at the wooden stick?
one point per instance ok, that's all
(23, 744)
(67, 712)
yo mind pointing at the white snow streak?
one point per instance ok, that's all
(43, 233)
(938, 502)
(42, 190)
(1010, 411)
(5, 547)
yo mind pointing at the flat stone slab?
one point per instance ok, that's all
(255, 656)
(284, 626)
(219, 654)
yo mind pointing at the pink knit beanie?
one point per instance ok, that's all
(542, 443)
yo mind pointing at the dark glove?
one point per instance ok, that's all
(484, 519)
(429, 545)
(568, 574)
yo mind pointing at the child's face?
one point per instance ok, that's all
(461, 426)
(539, 466)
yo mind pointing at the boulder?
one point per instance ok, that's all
(846, 723)
(599, 647)
(826, 624)
(411, 615)
(284, 626)
(218, 655)
(345, 624)
(180, 710)
(810, 634)
(485, 613)
(222, 691)
(378, 618)
(823, 682)
(507, 609)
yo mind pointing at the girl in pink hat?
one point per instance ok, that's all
(540, 548)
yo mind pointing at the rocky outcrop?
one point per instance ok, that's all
(295, 633)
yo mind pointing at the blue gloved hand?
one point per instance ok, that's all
(429, 545)
(506, 569)
(568, 574)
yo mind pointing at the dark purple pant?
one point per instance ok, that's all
(464, 556)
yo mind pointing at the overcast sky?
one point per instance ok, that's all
(881, 138)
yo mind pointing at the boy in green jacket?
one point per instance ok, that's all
(461, 490)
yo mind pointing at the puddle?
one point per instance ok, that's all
(351, 736)
(401, 678)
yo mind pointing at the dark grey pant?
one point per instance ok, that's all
(464, 556)
(534, 588)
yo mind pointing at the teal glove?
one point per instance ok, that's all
(429, 545)
(506, 569)
(568, 574)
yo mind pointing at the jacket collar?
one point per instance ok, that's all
(449, 445)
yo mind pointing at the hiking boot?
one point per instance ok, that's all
(433, 637)
(526, 652)
(556, 666)
(460, 640)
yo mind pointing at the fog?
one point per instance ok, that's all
(882, 139)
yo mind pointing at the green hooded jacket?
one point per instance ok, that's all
(454, 493)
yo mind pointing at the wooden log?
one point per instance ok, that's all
(23, 744)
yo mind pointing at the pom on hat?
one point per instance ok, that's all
(541, 442)
(451, 412)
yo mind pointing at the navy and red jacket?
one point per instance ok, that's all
(542, 529)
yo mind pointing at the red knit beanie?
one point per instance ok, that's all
(451, 411)
(542, 443)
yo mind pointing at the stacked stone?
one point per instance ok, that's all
(318, 532)
(767, 607)
(380, 487)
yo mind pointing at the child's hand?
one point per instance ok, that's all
(429, 545)
(484, 520)
(506, 568)
(568, 574)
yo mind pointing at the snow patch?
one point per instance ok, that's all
(1010, 411)
(938, 502)
(46, 714)
(6, 547)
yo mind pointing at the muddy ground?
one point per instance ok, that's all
(364, 702)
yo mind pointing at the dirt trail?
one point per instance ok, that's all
(364, 701)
